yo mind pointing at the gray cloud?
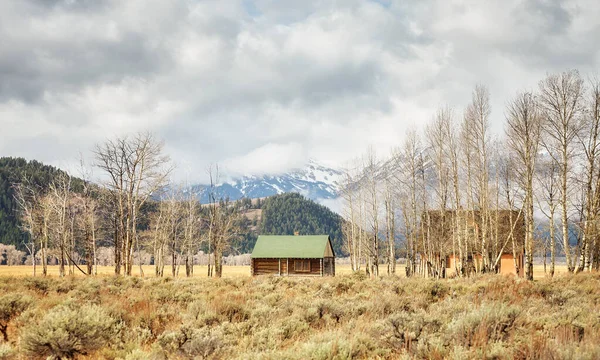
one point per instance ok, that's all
(259, 85)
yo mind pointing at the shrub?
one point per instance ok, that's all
(401, 329)
(88, 290)
(66, 331)
(200, 343)
(172, 341)
(138, 354)
(490, 322)
(65, 286)
(359, 275)
(6, 351)
(293, 327)
(203, 345)
(300, 318)
(436, 290)
(10, 306)
(139, 335)
(332, 346)
(39, 284)
(231, 307)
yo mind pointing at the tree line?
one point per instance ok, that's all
(134, 215)
(69, 218)
(441, 192)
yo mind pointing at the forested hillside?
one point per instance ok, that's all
(287, 213)
(12, 171)
(282, 214)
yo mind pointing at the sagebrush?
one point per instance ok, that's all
(279, 318)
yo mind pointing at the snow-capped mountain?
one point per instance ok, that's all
(314, 181)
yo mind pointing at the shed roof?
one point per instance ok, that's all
(290, 246)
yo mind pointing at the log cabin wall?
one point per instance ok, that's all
(266, 266)
(329, 266)
(288, 267)
(315, 267)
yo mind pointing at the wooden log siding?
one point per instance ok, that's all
(285, 267)
(321, 267)
(328, 267)
(266, 266)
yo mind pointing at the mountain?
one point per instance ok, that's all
(314, 181)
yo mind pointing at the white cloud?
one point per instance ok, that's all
(262, 86)
(268, 159)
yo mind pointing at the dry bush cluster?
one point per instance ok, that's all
(345, 317)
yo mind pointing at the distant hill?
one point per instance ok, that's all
(315, 181)
(12, 171)
(279, 214)
(288, 213)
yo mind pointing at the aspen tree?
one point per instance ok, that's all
(561, 102)
(523, 129)
(477, 125)
(590, 143)
(136, 168)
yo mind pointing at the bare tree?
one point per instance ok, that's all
(27, 197)
(222, 223)
(509, 185)
(477, 126)
(89, 221)
(174, 229)
(438, 137)
(408, 162)
(467, 145)
(548, 194)
(371, 181)
(351, 226)
(456, 198)
(590, 143)
(60, 197)
(191, 226)
(561, 102)
(390, 223)
(136, 168)
(160, 235)
(523, 129)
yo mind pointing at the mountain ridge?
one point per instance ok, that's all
(315, 181)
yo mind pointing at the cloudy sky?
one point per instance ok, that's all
(261, 86)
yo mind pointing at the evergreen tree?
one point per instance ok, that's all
(287, 214)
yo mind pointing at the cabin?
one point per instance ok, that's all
(293, 255)
(506, 234)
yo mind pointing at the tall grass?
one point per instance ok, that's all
(344, 317)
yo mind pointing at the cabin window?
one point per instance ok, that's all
(302, 265)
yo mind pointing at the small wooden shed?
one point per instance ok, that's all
(293, 255)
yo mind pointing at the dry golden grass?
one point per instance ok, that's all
(201, 271)
(348, 316)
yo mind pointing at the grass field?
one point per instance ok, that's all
(345, 317)
(201, 271)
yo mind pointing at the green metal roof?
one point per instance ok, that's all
(290, 246)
